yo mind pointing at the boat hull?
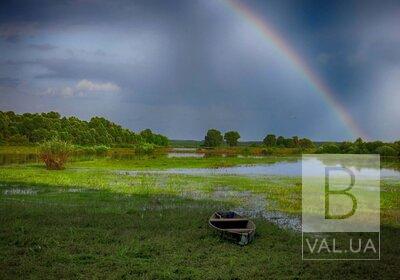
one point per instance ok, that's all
(233, 227)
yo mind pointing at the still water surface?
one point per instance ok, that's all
(279, 168)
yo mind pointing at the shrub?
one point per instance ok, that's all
(55, 154)
(145, 149)
(329, 149)
(101, 150)
(270, 140)
(386, 151)
(87, 150)
(267, 152)
(246, 151)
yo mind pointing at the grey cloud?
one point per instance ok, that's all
(42, 47)
(11, 32)
(9, 82)
(184, 66)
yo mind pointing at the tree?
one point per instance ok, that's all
(147, 135)
(296, 141)
(329, 149)
(396, 145)
(289, 143)
(386, 151)
(4, 121)
(270, 140)
(51, 115)
(280, 141)
(36, 128)
(213, 138)
(306, 143)
(231, 138)
(372, 146)
(157, 139)
(346, 147)
(18, 139)
(358, 147)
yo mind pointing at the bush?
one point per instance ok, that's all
(55, 154)
(246, 151)
(87, 150)
(386, 151)
(145, 149)
(101, 150)
(267, 152)
(329, 149)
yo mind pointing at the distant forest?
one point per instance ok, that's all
(28, 128)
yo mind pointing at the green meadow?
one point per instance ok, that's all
(96, 220)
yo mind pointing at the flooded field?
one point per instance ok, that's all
(135, 205)
(279, 168)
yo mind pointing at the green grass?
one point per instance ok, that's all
(163, 162)
(89, 222)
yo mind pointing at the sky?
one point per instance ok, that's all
(182, 67)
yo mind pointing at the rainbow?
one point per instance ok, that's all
(277, 41)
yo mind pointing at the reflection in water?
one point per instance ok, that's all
(184, 150)
(280, 168)
(175, 154)
(6, 159)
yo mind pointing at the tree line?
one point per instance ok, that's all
(362, 147)
(20, 129)
(214, 138)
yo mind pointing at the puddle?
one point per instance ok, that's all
(185, 155)
(251, 205)
(18, 191)
(75, 190)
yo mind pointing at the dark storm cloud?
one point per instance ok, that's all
(181, 67)
(9, 82)
(42, 47)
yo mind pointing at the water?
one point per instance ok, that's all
(250, 204)
(187, 150)
(23, 158)
(184, 152)
(280, 168)
(185, 155)
(6, 159)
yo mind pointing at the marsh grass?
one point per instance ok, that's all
(102, 234)
(88, 221)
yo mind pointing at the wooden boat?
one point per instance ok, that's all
(233, 226)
